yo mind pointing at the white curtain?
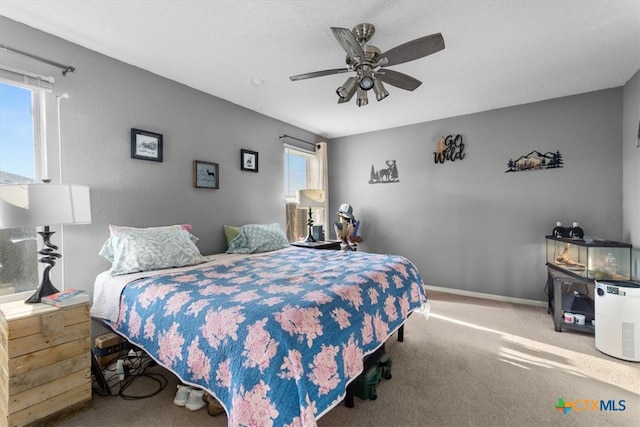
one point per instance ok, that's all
(323, 184)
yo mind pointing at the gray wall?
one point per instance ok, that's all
(631, 168)
(469, 225)
(465, 224)
(107, 99)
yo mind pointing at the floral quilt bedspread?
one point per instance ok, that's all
(276, 338)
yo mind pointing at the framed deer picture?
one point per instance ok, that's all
(248, 160)
(206, 175)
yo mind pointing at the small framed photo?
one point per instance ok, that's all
(146, 145)
(206, 175)
(249, 160)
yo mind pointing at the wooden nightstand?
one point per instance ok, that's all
(329, 244)
(45, 362)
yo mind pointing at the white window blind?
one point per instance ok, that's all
(25, 79)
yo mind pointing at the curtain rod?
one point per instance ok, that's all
(316, 145)
(65, 68)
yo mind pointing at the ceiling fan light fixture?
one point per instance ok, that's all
(347, 90)
(366, 81)
(362, 98)
(380, 91)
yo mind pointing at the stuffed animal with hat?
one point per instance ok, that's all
(346, 228)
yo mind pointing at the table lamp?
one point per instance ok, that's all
(31, 205)
(308, 199)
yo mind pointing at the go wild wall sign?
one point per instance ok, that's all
(449, 148)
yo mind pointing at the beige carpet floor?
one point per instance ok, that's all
(474, 362)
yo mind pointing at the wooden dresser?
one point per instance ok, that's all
(45, 362)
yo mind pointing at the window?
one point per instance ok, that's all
(300, 172)
(20, 109)
(300, 168)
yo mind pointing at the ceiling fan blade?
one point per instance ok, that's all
(319, 74)
(348, 42)
(414, 49)
(397, 79)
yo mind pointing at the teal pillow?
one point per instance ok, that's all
(255, 238)
(137, 250)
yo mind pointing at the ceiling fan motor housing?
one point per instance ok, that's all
(371, 56)
(365, 67)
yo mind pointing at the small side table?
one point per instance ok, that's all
(333, 245)
(45, 360)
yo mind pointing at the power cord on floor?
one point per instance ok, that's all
(158, 378)
(124, 372)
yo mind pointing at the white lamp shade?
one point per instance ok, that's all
(311, 198)
(24, 205)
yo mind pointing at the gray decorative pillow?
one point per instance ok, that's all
(138, 250)
(254, 238)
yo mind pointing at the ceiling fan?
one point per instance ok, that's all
(369, 63)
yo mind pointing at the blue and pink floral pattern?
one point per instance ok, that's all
(275, 337)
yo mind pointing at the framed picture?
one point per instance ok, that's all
(249, 160)
(146, 145)
(206, 175)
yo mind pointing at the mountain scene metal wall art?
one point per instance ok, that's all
(384, 175)
(535, 161)
(449, 148)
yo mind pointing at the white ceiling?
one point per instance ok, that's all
(498, 53)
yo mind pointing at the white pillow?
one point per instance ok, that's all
(139, 250)
(113, 229)
(108, 252)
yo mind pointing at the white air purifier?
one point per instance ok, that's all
(617, 318)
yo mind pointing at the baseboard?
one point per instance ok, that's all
(487, 296)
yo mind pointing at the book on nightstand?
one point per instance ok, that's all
(66, 298)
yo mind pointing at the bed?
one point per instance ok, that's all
(275, 336)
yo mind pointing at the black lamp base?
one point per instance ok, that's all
(45, 288)
(49, 256)
(309, 237)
